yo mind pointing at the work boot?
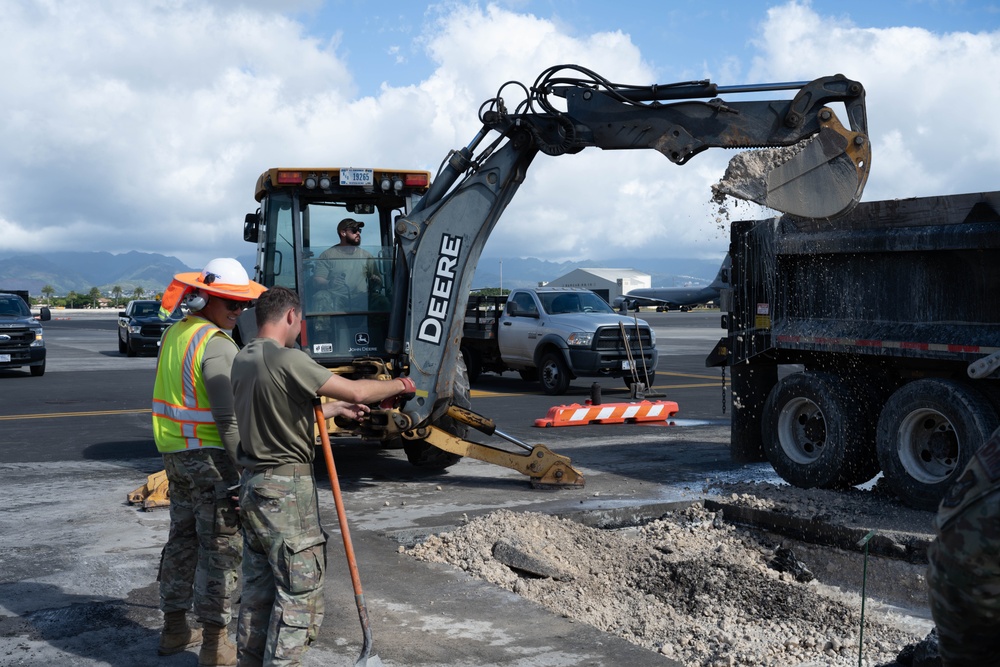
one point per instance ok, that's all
(216, 649)
(177, 635)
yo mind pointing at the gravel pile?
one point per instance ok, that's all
(690, 586)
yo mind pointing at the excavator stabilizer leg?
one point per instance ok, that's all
(820, 178)
(545, 468)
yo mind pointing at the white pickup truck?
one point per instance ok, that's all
(556, 334)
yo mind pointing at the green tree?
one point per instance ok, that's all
(48, 291)
(116, 292)
(138, 292)
(71, 298)
(493, 291)
(94, 295)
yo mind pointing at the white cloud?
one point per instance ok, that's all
(143, 126)
(928, 95)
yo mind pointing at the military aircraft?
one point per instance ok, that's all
(674, 298)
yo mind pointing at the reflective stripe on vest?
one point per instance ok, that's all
(182, 416)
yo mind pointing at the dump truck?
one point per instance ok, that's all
(869, 343)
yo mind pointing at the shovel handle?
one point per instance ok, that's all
(337, 498)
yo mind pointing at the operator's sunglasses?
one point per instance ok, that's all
(232, 305)
(353, 230)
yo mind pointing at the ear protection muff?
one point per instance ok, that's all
(196, 300)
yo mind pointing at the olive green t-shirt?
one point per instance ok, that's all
(273, 388)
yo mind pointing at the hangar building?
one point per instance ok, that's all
(607, 283)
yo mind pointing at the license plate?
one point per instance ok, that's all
(626, 365)
(357, 177)
(4, 357)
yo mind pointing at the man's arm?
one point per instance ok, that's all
(216, 366)
(363, 391)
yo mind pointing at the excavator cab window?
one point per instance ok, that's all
(346, 280)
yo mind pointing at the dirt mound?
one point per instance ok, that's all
(689, 585)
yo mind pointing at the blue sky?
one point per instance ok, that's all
(144, 125)
(675, 36)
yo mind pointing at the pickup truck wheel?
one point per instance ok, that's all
(425, 455)
(37, 371)
(928, 431)
(553, 374)
(129, 348)
(121, 346)
(813, 434)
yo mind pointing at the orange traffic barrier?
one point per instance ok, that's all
(608, 413)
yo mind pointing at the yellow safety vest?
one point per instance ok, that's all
(182, 415)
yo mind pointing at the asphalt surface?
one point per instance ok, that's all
(78, 565)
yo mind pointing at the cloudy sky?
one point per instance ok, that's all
(143, 124)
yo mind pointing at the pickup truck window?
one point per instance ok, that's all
(13, 305)
(522, 305)
(556, 303)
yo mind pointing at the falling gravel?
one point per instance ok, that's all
(689, 585)
(746, 174)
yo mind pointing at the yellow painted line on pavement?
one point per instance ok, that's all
(92, 413)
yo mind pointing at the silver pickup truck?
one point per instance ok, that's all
(554, 335)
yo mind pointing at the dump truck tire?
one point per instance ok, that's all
(928, 431)
(813, 432)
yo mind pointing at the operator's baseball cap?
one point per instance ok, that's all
(224, 277)
(349, 222)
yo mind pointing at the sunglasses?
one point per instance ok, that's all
(232, 305)
(353, 230)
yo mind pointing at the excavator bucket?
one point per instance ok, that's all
(154, 494)
(821, 177)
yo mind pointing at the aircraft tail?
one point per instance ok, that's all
(722, 277)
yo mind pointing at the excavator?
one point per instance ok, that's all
(428, 235)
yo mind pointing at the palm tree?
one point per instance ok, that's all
(48, 291)
(94, 295)
(71, 298)
(138, 292)
(116, 292)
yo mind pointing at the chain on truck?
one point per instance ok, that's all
(423, 238)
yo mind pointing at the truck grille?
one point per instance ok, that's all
(154, 330)
(610, 338)
(16, 339)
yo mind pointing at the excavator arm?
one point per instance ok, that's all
(812, 167)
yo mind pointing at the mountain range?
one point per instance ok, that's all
(81, 271)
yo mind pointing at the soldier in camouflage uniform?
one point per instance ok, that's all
(284, 555)
(194, 425)
(964, 572)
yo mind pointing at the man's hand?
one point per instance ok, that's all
(353, 411)
(408, 392)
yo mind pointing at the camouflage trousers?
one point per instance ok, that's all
(964, 583)
(202, 555)
(284, 560)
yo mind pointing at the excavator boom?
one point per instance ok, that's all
(811, 166)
